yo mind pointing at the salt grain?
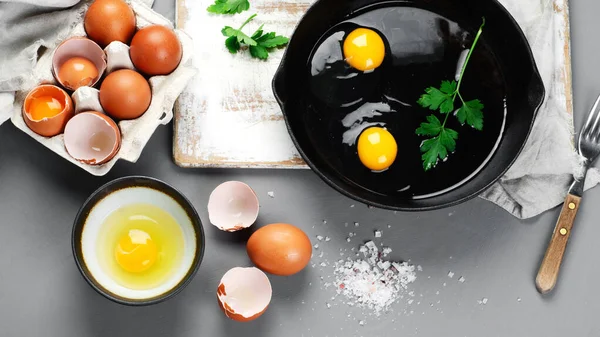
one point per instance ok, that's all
(327, 239)
(348, 239)
(361, 322)
(271, 194)
(450, 274)
(419, 268)
(377, 234)
(356, 224)
(319, 237)
(461, 279)
(316, 246)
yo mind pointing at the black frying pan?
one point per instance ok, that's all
(502, 65)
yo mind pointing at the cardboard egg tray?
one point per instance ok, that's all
(135, 133)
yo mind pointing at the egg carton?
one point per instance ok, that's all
(135, 133)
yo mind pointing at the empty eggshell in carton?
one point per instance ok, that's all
(134, 133)
(117, 57)
(87, 99)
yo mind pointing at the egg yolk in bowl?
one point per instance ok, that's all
(364, 49)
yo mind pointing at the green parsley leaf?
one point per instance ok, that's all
(232, 44)
(228, 6)
(437, 148)
(432, 128)
(471, 112)
(448, 87)
(435, 99)
(259, 52)
(229, 31)
(258, 43)
(264, 42)
(271, 40)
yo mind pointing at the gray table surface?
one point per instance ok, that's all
(43, 294)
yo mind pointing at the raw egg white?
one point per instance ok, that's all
(377, 148)
(244, 293)
(364, 49)
(140, 246)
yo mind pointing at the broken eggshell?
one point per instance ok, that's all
(83, 48)
(233, 206)
(87, 99)
(92, 138)
(48, 126)
(117, 57)
(244, 293)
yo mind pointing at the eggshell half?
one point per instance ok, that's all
(244, 293)
(78, 47)
(233, 206)
(279, 249)
(92, 138)
(52, 126)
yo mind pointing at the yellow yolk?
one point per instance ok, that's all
(136, 251)
(364, 49)
(45, 107)
(377, 148)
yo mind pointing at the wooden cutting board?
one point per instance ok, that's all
(228, 117)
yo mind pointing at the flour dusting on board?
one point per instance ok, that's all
(228, 116)
(228, 113)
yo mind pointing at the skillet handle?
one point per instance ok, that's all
(549, 269)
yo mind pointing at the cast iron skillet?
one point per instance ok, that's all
(502, 36)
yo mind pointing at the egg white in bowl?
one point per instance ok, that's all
(138, 241)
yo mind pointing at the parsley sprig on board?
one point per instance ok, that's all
(228, 6)
(259, 43)
(441, 140)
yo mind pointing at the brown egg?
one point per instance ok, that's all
(109, 20)
(155, 50)
(279, 249)
(125, 94)
(47, 109)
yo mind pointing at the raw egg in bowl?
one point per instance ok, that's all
(138, 241)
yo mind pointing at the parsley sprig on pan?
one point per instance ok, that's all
(441, 140)
(259, 43)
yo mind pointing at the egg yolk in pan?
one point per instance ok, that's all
(364, 49)
(377, 148)
(136, 252)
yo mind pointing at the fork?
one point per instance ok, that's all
(588, 147)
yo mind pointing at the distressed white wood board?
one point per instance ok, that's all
(228, 116)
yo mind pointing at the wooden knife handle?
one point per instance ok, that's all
(548, 272)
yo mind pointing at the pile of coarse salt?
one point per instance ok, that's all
(372, 282)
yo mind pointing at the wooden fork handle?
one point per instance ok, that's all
(548, 272)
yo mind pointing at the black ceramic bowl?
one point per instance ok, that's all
(424, 42)
(111, 197)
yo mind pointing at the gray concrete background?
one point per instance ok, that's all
(42, 293)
